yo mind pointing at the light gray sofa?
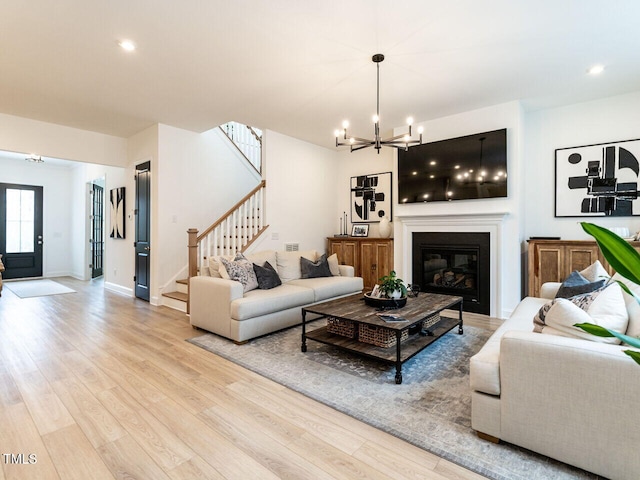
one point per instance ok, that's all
(221, 306)
(571, 399)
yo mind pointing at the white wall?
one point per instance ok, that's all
(23, 135)
(199, 177)
(605, 120)
(57, 209)
(302, 185)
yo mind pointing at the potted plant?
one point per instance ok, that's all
(392, 287)
(626, 261)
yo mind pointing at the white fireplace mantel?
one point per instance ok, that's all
(491, 223)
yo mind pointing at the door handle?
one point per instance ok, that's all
(147, 248)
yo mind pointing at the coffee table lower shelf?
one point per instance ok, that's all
(408, 348)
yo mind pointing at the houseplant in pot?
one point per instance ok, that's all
(391, 292)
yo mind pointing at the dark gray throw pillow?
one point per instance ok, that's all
(310, 269)
(267, 276)
(576, 284)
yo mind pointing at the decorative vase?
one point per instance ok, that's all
(384, 229)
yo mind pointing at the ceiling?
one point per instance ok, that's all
(301, 67)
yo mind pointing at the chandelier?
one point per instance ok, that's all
(403, 141)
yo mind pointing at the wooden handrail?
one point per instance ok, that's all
(239, 149)
(255, 134)
(232, 209)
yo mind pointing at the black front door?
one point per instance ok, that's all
(21, 230)
(143, 230)
(97, 234)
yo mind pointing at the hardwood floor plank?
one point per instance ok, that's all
(48, 412)
(108, 385)
(98, 425)
(19, 435)
(73, 455)
(127, 460)
(162, 445)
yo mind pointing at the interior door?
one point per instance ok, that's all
(21, 230)
(143, 231)
(97, 230)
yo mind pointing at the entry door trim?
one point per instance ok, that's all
(142, 244)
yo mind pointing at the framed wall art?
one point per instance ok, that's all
(599, 180)
(370, 197)
(117, 212)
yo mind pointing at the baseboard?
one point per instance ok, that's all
(114, 287)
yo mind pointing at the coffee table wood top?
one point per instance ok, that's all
(355, 309)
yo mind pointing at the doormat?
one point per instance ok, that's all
(36, 288)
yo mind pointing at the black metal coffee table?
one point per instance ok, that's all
(418, 309)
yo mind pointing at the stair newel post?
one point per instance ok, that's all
(193, 251)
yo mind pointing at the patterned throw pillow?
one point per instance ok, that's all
(241, 270)
(577, 284)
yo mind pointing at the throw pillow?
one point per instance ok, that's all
(595, 272)
(288, 264)
(320, 268)
(633, 329)
(577, 284)
(241, 270)
(334, 265)
(216, 268)
(604, 307)
(267, 276)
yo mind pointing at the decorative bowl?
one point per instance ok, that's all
(384, 303)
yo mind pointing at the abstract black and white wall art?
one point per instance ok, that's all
(598, 180)
(117, 212)
(370, 197)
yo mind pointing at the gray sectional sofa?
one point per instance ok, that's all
(221, 305)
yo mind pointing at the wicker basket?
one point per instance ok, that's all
(431, 321)
(379, 336)
(346, 328)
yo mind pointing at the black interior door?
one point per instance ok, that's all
(97, 234)
(143, 230)
(21, 230)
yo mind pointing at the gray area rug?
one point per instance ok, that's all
(430, 409)
(36, 288)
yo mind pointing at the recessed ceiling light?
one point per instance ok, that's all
(127, 45)
(596, 70)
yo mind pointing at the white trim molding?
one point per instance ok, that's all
(491, 223)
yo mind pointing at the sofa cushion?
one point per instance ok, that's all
(259, 258)
(329, 287)
(241, 270)
(485, 365)
(577, 284)
(289, 264)
(604, 307)
(262, 302)
(317, 269)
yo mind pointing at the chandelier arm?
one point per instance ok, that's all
(361, 147)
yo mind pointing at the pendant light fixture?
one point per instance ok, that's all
(399, 141)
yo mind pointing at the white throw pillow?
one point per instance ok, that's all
(334, 265)
(216, 269)
(289, 264)
(595, 272)
(633, 308)
(604, 307)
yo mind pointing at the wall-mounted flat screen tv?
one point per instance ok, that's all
(470, 167)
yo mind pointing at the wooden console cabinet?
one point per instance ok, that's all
(554, 260)
(371, 257)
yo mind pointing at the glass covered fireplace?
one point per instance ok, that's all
(454, 263)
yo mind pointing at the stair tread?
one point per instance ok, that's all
(177, 296)
(183, 281)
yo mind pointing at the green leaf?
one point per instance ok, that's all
(619, 253)
(633, 354)
(604, 332)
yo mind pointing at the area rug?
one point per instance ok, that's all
(430, 409)
(37, 288)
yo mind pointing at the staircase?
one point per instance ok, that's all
(237, 229)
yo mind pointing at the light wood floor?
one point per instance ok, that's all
(96, 385)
